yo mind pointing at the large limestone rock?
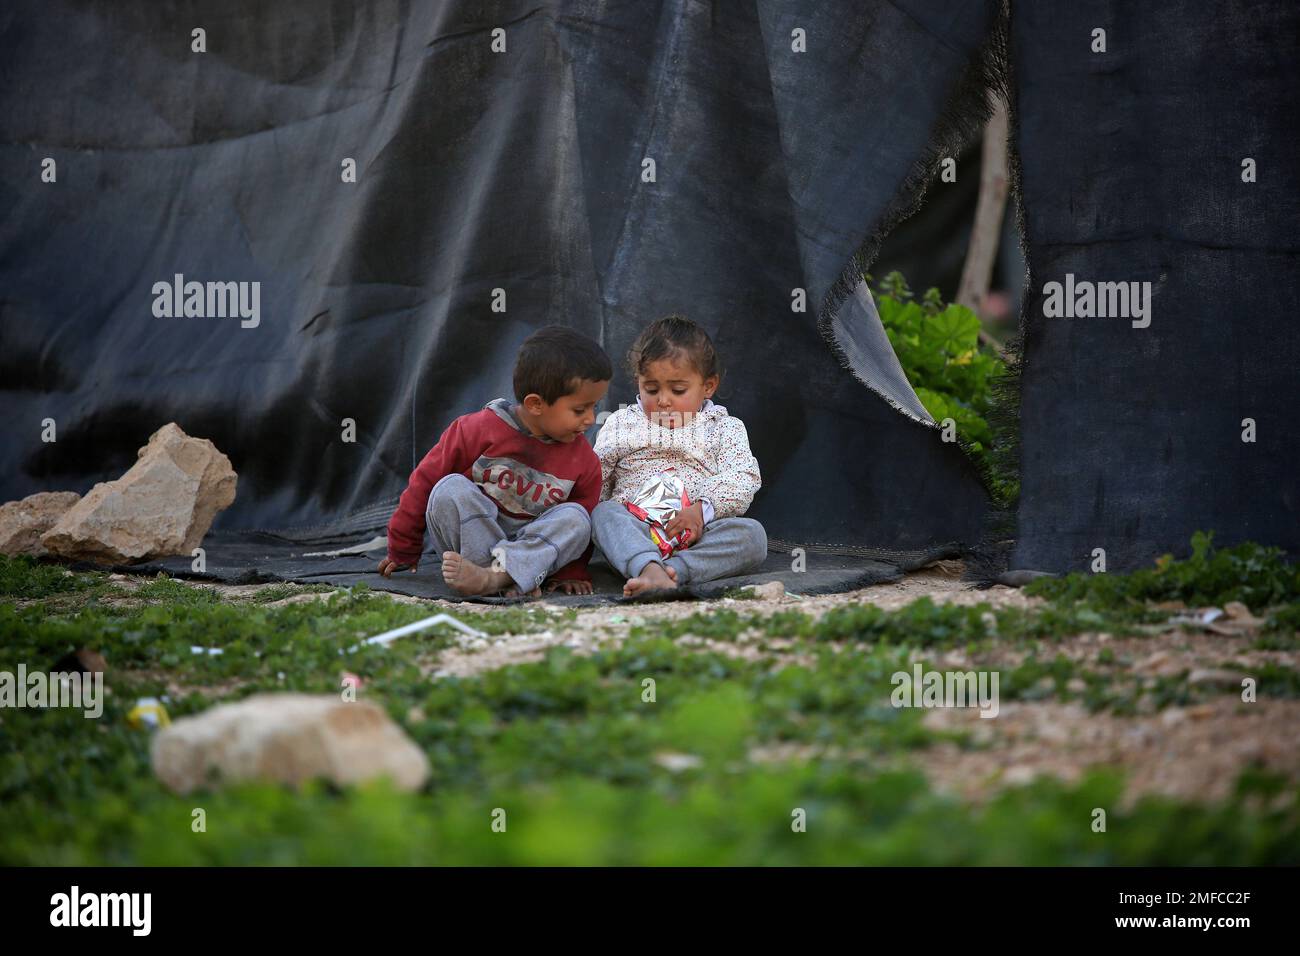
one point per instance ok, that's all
(23, 522)
(163, 505)
(287, 738)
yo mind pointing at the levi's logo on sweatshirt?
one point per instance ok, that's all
(517, 488)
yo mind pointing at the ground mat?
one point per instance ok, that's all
(263, 557)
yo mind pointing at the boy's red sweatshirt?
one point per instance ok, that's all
(523, 474)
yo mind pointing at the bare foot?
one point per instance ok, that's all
(468, 578)
(653, 577)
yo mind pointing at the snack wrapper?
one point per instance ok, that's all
(657, 501)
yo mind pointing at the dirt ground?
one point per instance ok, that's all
(1189, 752)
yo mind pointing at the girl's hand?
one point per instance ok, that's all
(388, 566)
(569, 587)
(688, 519)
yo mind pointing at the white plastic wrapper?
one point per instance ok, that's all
(656, 503)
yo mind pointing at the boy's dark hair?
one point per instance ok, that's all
(555, 360)
(674, 337)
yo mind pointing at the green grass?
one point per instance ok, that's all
(567, 746)
(1257, 576)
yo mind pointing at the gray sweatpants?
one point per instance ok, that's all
(460, 518)
(729, 546)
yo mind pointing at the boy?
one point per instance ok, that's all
(507, 492)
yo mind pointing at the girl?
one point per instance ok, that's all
(676, 425)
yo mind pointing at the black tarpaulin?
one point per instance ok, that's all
(786, 139)
(1132, 171)
(522, 170)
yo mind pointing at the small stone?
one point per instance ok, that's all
(1019, 776)
(770, 591)
(1160, 664)
(1155, 661)
(1240, 615)
(1209, 677)
(676, 762)
(1173, 715)
(1076, 685)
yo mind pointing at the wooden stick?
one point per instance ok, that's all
(986, 232)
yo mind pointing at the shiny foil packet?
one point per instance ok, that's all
(658, 500)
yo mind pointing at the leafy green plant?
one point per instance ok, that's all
(1253, 574)
(938, 345)
(956, 377)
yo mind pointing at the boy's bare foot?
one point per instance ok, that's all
(468, 578)
(653, 577)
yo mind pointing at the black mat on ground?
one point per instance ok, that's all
(252, 558)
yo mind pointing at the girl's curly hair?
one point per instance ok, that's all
(674, 337)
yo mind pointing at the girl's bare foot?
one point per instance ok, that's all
(653, 577)
(468, 578)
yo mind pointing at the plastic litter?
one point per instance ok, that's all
(149, 713)
(388, 637)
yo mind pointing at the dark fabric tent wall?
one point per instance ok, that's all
(1131, 170)
(775, 170)
(477, 170)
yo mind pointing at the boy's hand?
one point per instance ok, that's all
(689, 519)
(569, 586)
(388, 566)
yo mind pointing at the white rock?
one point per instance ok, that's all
(23, 522)
(676, 762)
(770, 591)
(1019, 775)
(1214, 678)
(163, 505)
(287, 738)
